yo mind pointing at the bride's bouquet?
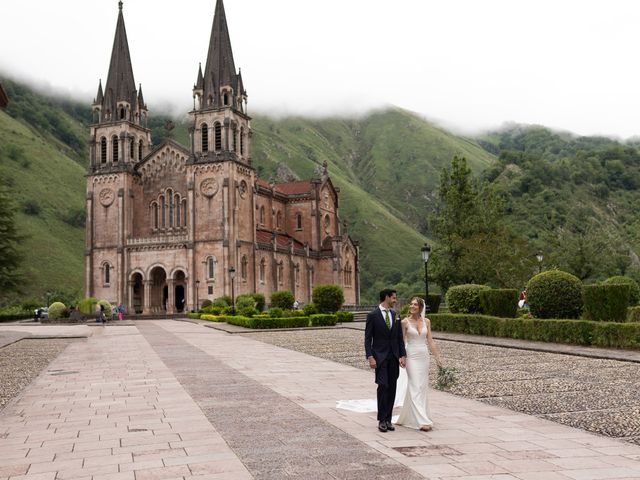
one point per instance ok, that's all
(446, 377)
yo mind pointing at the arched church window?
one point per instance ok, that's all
(184, 212)
(114, 149)
(132, 148)
(243, 268)
(218, 136)
(280, 272)
(263, 267)
(241, 140)
(171, 205)
(347, 275)
(235, 139)
(262, 215)
(225, 98)
(211, 268)
(154, 208)
(298, 221)
(107, 273)
(140, 150)
(278, 219)
(327, 221)
(103, 150)
(122, 113)
(204, 129)
(178, 210)
(163, 208)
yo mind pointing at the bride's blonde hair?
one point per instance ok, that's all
(420, 302)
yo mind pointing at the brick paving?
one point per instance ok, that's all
(169, 403)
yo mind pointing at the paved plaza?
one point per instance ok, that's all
(167, 399)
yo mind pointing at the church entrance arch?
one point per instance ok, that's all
(159, 291)
(137, 293)
(179, 282)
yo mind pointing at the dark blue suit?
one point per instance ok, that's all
(386, 346)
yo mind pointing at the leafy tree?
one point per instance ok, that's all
(10, 256)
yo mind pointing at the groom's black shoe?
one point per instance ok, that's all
(382, 426)
(390, 427)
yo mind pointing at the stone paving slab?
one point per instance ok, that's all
(470, 439)
(109, 409)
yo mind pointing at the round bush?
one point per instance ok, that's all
(206, 303)
(56, 309)
(309, 309)
(245, 301)
(224, 301)
(283, 299)
(259, 300)
(328, 298)
(555, 294)
(247, 311)
(107, 307)
(465, 298)
(276, 312)
(634, 288)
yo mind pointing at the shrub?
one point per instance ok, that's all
(87, 306)
(212, 310)
(282, 299)
(434, 302)
(212, 318)
(31, 207)
(194, 315)
(29, 305)
(275, 312)
(292, 313)
(606, 302)
(223, 301)
(245, 301)
(323, 320)
(259, 300)
(633, 314)
(107, 307)
(205, 303)
(343, 316)
(465, 298)
(580, 332)
(268, 322)
(55, 310)
(248, 311)
(634, 288)
(499, 302)
(328, 298)
(228, 310)
(555, 294)
(309, 309)
(404, 311)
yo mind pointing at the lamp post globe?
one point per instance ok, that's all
(539, 257)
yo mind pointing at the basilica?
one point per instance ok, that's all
(169, 225)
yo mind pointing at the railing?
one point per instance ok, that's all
(157, 239)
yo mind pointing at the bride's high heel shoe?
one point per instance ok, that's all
(426, 428)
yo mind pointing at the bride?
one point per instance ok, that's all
(416, 330)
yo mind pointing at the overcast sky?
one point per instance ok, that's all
(471, 64)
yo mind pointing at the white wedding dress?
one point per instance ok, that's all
(415, 408)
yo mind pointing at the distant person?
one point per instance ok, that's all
(121, 312)
(102, 318)
(522, 299)
(296, 305)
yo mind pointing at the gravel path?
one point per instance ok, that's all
(23, 361)
(601, 396)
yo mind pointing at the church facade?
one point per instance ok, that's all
(169, 226)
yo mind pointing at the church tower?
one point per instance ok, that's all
(119, 136)
(221, 128)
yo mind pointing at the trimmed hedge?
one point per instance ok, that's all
(212, 318)
(434, 301)
(499, 302)
(579, 332)
(282, 299)
(634, 294)
(328, 298)
(555, 294)
(322, 320)
(606, 302)
(268, 322)
(465, 298)
(194, 315)
(633, 314)
(56, 309)
(343, 316)
(6, 317)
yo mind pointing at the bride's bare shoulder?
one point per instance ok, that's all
(405, 320)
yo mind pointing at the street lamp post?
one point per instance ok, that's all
(425, 258)
(48, 294)
(539, 257)
(197, 301)
(232, 275)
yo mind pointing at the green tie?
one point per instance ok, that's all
(387, 319)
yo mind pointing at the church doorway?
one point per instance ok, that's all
(138, 293)
(159, 290)
(179, 281)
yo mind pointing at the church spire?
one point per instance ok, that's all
(220, 72)
(120, 89)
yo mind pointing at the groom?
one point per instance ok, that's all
(384, 346)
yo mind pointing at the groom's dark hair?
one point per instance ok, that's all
(387, 292)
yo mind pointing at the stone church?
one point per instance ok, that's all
(169, 226)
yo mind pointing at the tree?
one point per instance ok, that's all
(10, 256)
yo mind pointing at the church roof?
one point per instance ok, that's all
(220, 69)
(282, 239)
(120, 85)
(4, 99)
(298, 187)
